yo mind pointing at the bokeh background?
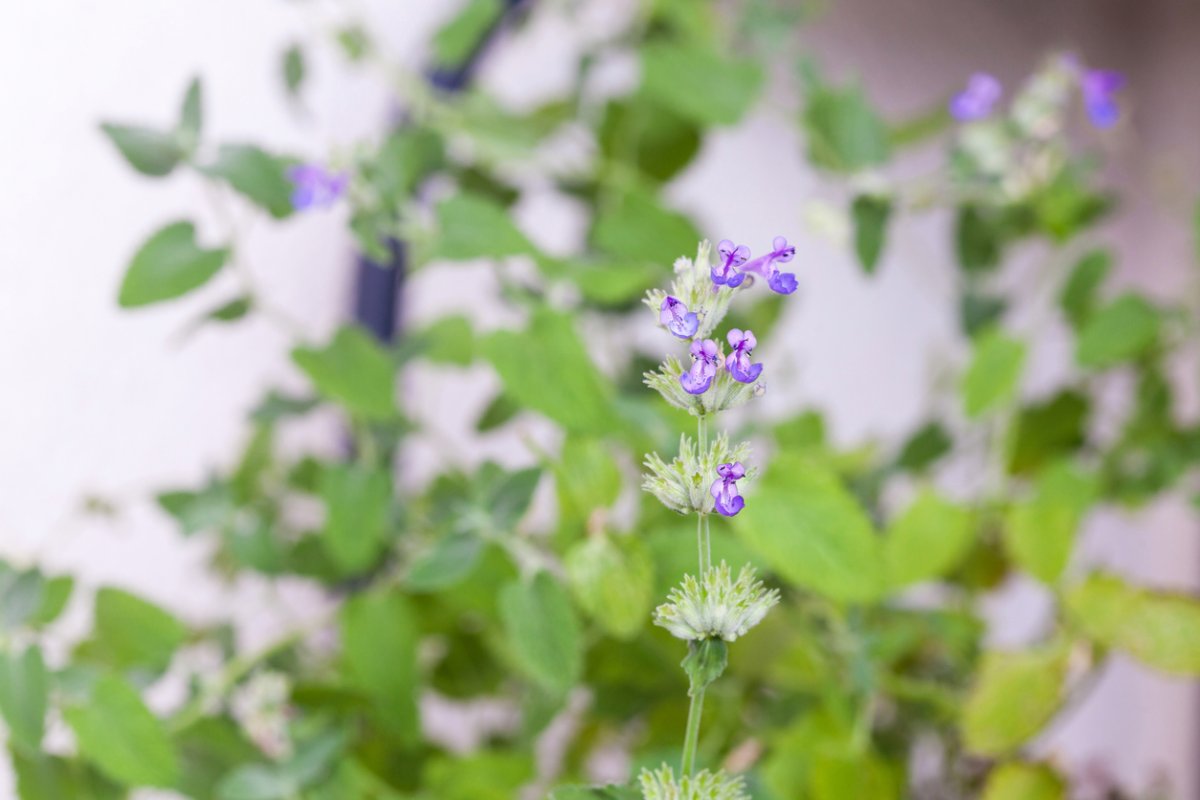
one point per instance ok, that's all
(102, 406)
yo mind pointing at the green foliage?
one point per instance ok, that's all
(870, 215)
(613, 580)
(257, 175)
(543, 633)
(992, 379)
(1079, 294)
(1014, 696)
(293, 68)
(379, 648)
(115, 732)
(927, 540)
(170, 264)
(1040, 532)
(641, 229)
(358, 510)
(24, 696)
(354, 371)
(700, 83)
(844, 132)
(1018, 781)
(1120, 331)
(457, 39)
(130, 633)
(470, 226)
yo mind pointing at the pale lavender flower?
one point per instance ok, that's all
(781, 253)
(705, 358)
(1099, 86)
(738, 362)
(731, 256)
(316, 187)
(977, 100)
(674, 315)
(724, 489)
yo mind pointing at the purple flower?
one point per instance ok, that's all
(738, 362)
(1099, 86)
(316, 187)
(704, 368)
(732, 256)
(976, 101)
(677, 319)
(781, 253)
(724, 489)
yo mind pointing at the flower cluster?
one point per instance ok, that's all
(314, 186)
(683, 485)
(1098, 88)
(717, 606)
(662, 784)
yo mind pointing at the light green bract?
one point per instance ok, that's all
(683, 484)
(704, 785)
(717, 607)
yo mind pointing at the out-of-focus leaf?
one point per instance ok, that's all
(547, 369)
(543, 632)
(150, 152)
(450, 340)
(20, 596)
(257, 782)
(379, 646)
(700, 83)
(993, 377)
(613, 580)
(639, 228)
(1017, 781)
(354, 41)
(449, 561)
(168, 265)
(482, 775)
(1160, 629)
(45, 777)
(352, 370)
(870, 214)
(358, 506)
(596, 793)
(24, 694)
(1040, 532)
(980, 311)
(1079, 294)
(130, 632)
(191, 115)
(587, 478)
(812, 532)
(1121, 331)
(55, 594)
(201, 510)
(407, 156)
(471, 227)
(927, 540)
(980, 236)
(838, 776)
(278, 406)
(116, 732)
(499, 411)
(844, 132)
(1048, 430)
(1067, 206)
(209, 749)
(259, 176)
(924, 448)
(1014, 696)
(615, 284)
(293, 69)
(659, 141)
(458, 38)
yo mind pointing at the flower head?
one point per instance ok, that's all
(781, 253)
(724, 489)
(730, 258)
(705, 358)
(738, 362)
(1099, 86)
(682, 485)
(717, 607)
(661, 784)
(316, 187)
(674, 315)
(977, 99)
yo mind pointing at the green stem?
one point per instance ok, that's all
(703, 538)
(691, 740)
(705, 547)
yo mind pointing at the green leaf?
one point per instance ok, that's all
(596, 793)
(927, 540)
(191, 115)
(481, 775)
(454, 43)
(870, 215)
(501, 410)
(116, 732)
(1018, 781)
(293, 69)
(45, 777)
(407, 157)
(705, 662)
(257, 782)
(1079, 293)
(700, 83)
(844, 132)
(168, 265)
(811, 531)
(20, 596)
(469, 226)
(24, 693)
(587, 478)
(993, 377)
(1049, 430)
(150, 152)
(840, 776)
(358, 511)
(202, 510)
(352, 370)
(257, 175)
(1121, 331)
(639, 228)
(543, 632)
(130, 632)
(1013, 698)
(450, 340)
(379, 650)
(924, 448)
(978, 311)
(1040, 533)
(1160, 629)
(354, 41)
(447, 563)
(648, 135)
(613, 580)
(547, 369)
(56, 592)
(979, 238)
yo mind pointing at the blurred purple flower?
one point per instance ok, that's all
(781, 253)
(677, 319)
(1099, 86)
(724, 489)
(731, 257)
(738, 362)
(977, 100)
(704, 367)
(316, 187)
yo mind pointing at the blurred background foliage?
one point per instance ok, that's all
(452, 593)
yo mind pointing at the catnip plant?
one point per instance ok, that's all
(710, 609)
